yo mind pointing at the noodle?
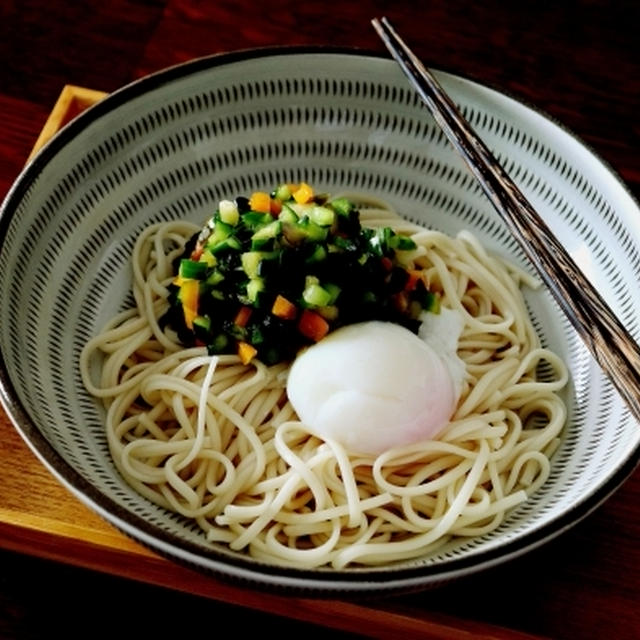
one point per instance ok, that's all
(218, 441)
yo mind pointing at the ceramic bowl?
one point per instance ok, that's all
(173, 144)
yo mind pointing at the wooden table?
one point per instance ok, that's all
(578, 61)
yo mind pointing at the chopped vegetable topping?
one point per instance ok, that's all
(272, 273)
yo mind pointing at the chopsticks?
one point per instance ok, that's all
(604, 335)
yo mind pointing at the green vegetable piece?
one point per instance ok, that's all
(192, 269)
(231, 243)
(322, 216)
(203, 323)
(251, 263)
(342, 206)
(228, 212)
(401, 243)
(333, 290)
(218, 344)
(318, 254)
(217, 294)
(316, 296)
(283, 193)
(380, 240)
(432, 303)
(215, 278)
(221, 231)
(255, 287)
(311, 231)
(253, 220)
(287, 215)
(266, 234)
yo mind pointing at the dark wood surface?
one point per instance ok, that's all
(577, 61)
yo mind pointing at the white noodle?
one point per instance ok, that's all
(218, 441)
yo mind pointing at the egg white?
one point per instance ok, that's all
(376, 385)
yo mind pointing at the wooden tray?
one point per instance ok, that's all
(71, 102)
(38, 516)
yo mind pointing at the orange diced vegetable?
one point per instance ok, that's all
(303, 194)
(260, 201)
(242, 317)
(189, 292)
(386, 263)
(197, 252)
(293, 187)
(401, 301)
(283, 308)
(415, 275)
(312, 325)
(246, 352)
(276, 207)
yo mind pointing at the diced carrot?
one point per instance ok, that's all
(276, 207)
(303, 194)
(260, 201)
(246, 352)
(242, 317)
(189, 292)
(415, 275)
(400, 301)
(197, 252)
(312, 325)
(283, 308)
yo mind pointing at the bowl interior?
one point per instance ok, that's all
(172, 145)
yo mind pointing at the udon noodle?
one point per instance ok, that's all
(218, 442)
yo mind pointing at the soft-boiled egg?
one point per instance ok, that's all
(376, 385)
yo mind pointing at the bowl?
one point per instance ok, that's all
(171, 145)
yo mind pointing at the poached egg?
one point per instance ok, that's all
(376, 385)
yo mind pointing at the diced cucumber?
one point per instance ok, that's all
(251, 263)
(232, 243)
(215, 278)
(318, 254)
(255, 286)
(283, 193)
(322, 216)
(216, 294)
(266, 234)
(221, 231)
(333, 290)
(329, 312)
(228, 211)
(311, 231)
(342, 206)
(203, 323)
(287, 215)
(401, 243)
(208, 258)
(222, 237)
(316, 296)
(431, 302)
(192, 269)
(218, 343)
(254, 220)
